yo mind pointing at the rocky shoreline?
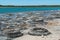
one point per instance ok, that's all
(27, 20)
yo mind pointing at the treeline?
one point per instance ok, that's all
(31, 6)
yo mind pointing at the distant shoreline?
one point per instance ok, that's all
(30, 6)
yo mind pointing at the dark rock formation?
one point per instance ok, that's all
(12, 34)
(39, 32)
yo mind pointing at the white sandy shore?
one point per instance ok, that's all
(28, 37)
(54, 36)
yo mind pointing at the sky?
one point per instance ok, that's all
(29, 2)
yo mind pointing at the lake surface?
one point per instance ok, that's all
(23, 9)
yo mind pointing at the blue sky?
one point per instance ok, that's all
(29, 2)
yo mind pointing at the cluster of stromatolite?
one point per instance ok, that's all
(39, 32)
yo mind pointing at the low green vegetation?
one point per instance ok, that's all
(31, 6)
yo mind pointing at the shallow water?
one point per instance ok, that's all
(8, 10)
(3, 38)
